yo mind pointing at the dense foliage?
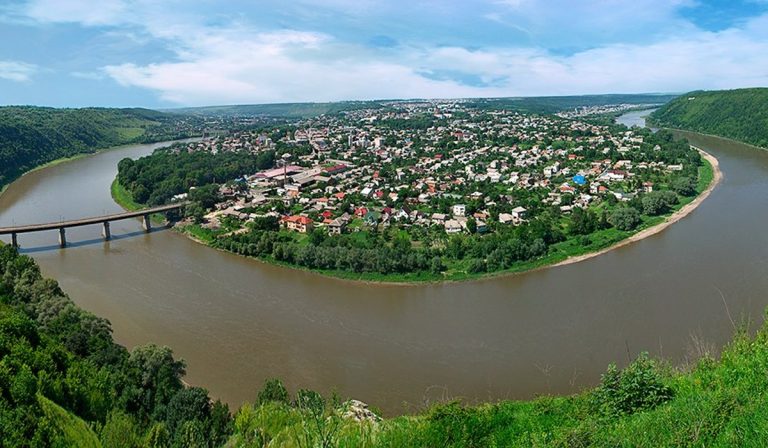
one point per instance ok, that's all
(65, 382)
(740, 114)
(32, 136)
(155, 180)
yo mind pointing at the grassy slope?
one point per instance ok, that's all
(71, 430)
(740, 114)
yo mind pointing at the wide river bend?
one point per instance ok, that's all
(553, 331)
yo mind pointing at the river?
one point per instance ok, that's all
(237, 321)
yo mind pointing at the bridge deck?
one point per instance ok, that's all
(87, 221)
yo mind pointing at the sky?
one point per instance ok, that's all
(173, 53)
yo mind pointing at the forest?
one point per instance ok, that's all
(740, 114)
(34, 136)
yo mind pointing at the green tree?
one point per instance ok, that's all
(625, 218)
(273, 391)
(684, 186)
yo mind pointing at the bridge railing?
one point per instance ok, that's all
(103, 220)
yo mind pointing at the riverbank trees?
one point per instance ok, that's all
(155, 180)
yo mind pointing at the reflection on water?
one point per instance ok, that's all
(237, 321)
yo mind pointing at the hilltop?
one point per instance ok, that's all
(740, 114)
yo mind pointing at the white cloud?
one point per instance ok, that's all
(240, 63)
(16, 71)
(87, 12)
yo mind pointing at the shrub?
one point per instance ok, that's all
(273, 391)
(639, 387)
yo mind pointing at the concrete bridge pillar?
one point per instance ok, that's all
(147, 224)
(14, 240)
(62, 237)
(106, 233)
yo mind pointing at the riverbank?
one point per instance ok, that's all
(560, 254)
(684, 211)
(46, 165)
(56, 162)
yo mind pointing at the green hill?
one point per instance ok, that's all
(68, 429)
(740, 114)
(65, 382)
(33, 136)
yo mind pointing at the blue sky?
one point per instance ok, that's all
(156, 53)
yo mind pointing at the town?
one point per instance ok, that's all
(370, 168)
(421, 190)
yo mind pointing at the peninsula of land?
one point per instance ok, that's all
(424, 191)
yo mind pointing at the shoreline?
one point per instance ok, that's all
(81, 156)
(48, 165)
(684, 211)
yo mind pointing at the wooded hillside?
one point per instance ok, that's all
(737, 114)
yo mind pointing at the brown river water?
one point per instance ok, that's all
(237, 321)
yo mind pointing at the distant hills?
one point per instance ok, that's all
(283, 110)
(554, 104)
(542, 105)
(740, 114)
(32, 136)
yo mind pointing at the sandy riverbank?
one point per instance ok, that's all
(671, 219)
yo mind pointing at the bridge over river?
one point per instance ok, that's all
(103, 220)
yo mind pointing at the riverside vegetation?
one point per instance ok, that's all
(583, 203)
(64, 382)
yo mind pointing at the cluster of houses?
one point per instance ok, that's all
(461, 171)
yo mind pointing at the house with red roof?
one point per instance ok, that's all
(301, 224)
